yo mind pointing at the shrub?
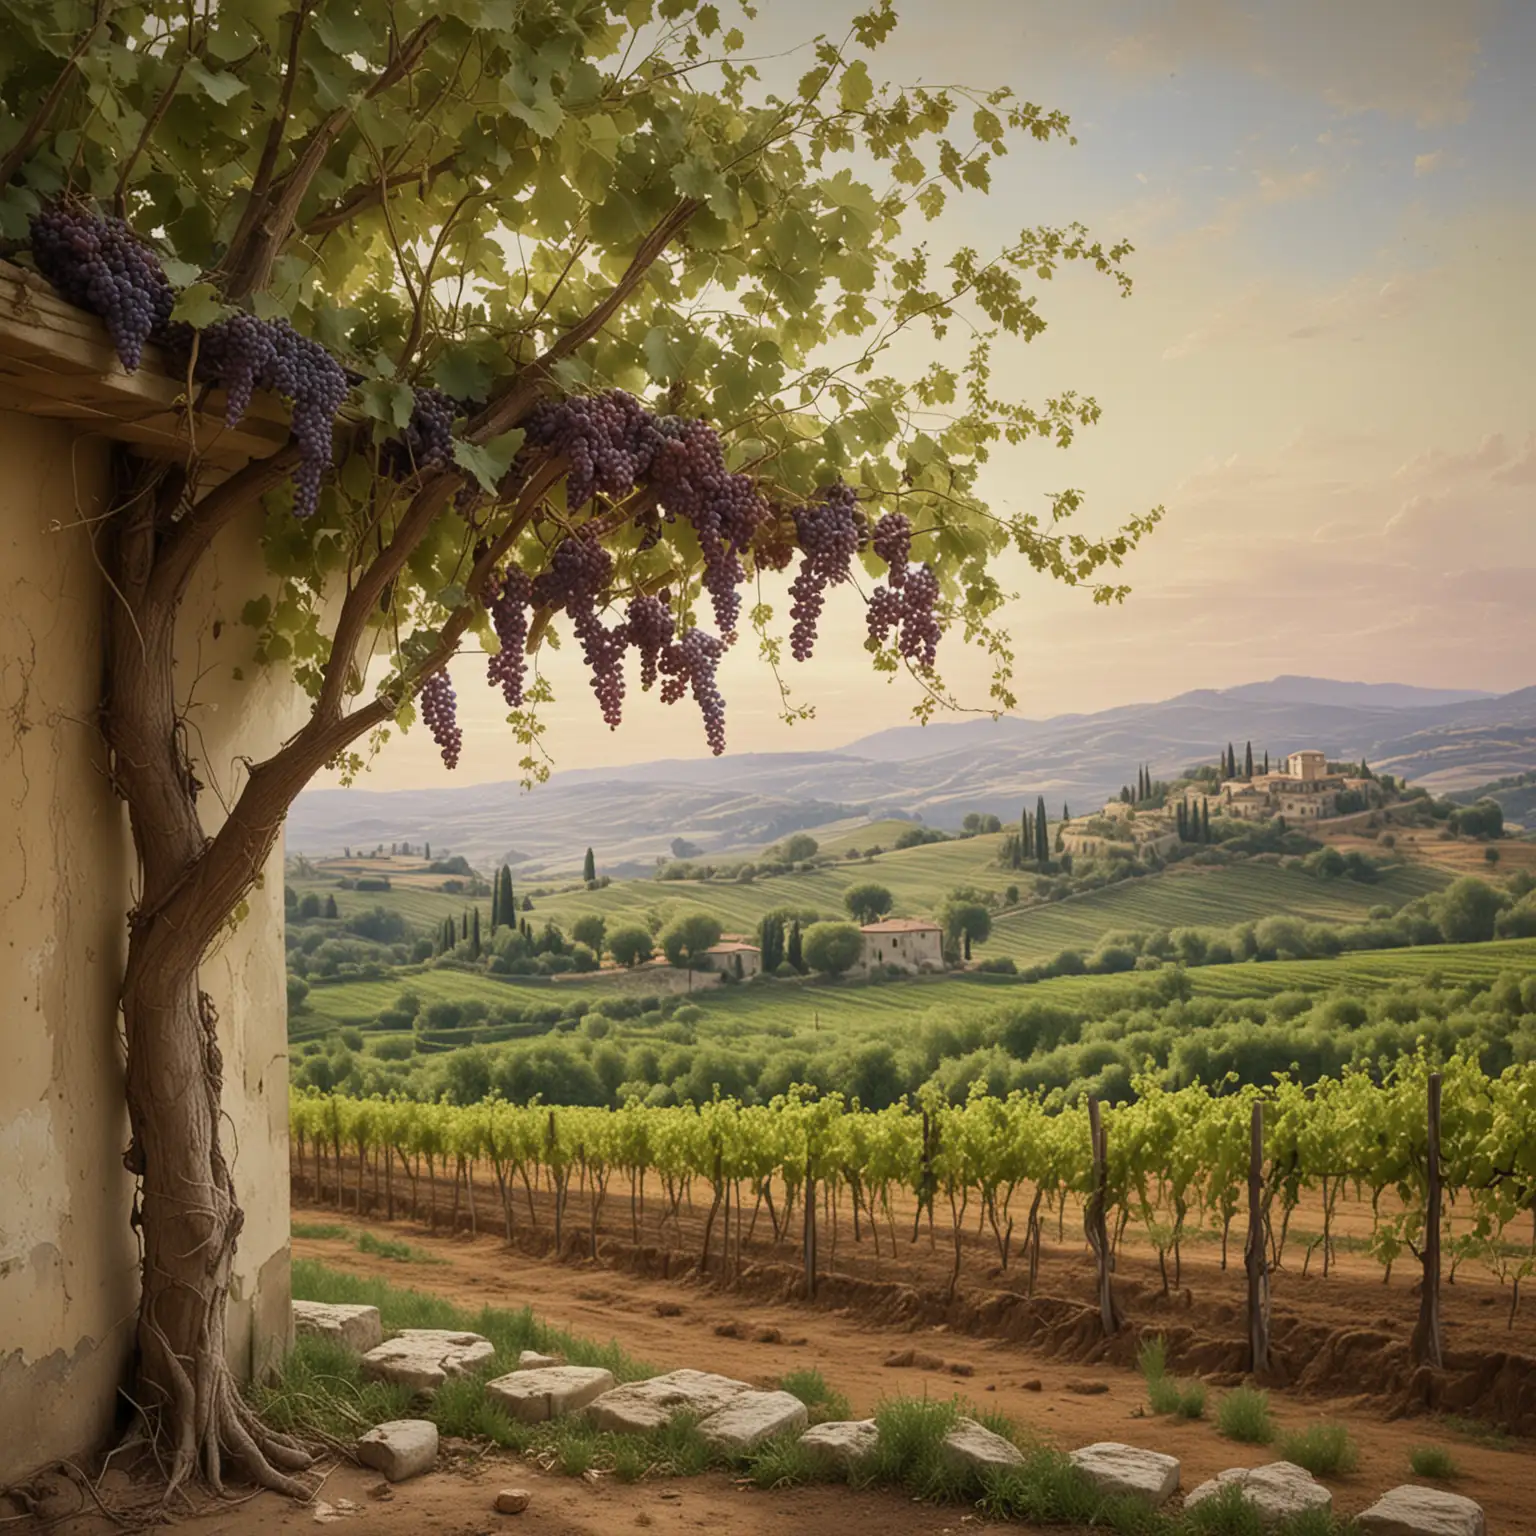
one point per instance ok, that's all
(1244, 1415)
(1433, 1461)
(1323, 1449)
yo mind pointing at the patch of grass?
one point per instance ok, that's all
(1433, 1461)
(784, 1463)
(320, 1231)
(1244, 1415)
(1492, 1436)
(1325, 1450)
(321, 1391)
(810, 1386)
(1186, 1399)
(389, 1248)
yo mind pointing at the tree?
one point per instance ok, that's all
(687, 938)
(1042, 834)
(1248, 761)
(799, 848)
(507, 900)
(330, 905)
(495, 905)
(867, 903)
(794, 949)
(1026, 838)
(832, 948)
(1066, 815)
(527, 903)
(426, 850)
(590, 930)
(964, 922)
(474, 936)
(349, 179)
(1205, 820)
(589, 868)
(1266, 760)
(630, 945)
(683, 849)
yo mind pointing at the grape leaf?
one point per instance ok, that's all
(488, 462)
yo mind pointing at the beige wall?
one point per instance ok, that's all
(68, 1262)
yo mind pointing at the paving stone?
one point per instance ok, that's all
(752, 1417)
(1410, 1510)
(640, 1406)
(532, 1360)
(972, 1445)
(1279, 1490)
(358, 1327)
(534, 1396)
(1117, 1470)
(845, 1443)
(400, 1449)
(424, 1358)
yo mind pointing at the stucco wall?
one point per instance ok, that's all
(68, 1260)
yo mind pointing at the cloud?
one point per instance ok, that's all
(1427, 165)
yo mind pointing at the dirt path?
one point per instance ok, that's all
(683, 1323)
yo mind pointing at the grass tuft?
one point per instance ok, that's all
(1244, 1415)
(320, 1231)
(1433, 1461)
(1186, 1399)
(391, 1248)
(810, 1386)
(1325, 1450)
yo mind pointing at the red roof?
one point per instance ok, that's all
(900, 925)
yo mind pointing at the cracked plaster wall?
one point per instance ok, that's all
(68, 1260)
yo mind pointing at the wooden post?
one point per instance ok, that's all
(1254, 1252)
(1425, 1347)
(1093, 1217)
(810, 1233)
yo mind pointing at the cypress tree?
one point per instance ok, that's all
(793, 952)
(1181, 821)
(508, 900)
(1025, 837)
(495, 904)
(967, 945)
(474, 937)
(1042, 834)
(527, 903)
(1266, 760)
(330, 907)
(1248, 762)
(464, 930)
(1205, 821)
(589, 867)
(426, 850)
(1066, 815)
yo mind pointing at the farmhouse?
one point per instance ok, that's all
(909, 944)
(1123, 829)
(732, 956)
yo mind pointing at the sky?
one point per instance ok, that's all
(1324, 373)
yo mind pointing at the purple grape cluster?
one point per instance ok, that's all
(100, 265)
(829, 532)
(650, 626)
(920, 631)
(427, 439)
(439, 708)
(579, 572)
(507, 598)
(907, 605)
(237, 353)
(614, 444)
(690, 664)
(892, 542)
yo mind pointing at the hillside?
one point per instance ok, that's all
(936, 773)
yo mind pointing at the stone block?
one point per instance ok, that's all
(1118, 1470)
(424, 1358)
(1279, 1490)
(531, 1397)
(1410, 1510)
(357, 1327)
(848, 1444)
(640, 1406)
(400, 1449)
(752, 1417)
(972, 1446)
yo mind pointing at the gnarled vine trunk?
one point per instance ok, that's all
(185, 1204)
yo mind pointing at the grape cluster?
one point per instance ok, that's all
(238, 353)
(919, 623)
(885, 613)
(507, 598)
(892, 541)
(99, 265)
(439, 709)
(650, 626)
(829, 533)
(604, 437)
(691, 663)
(427, 439)
(579, 571)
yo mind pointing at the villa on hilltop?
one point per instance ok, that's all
(1303, 790)
(905, 943)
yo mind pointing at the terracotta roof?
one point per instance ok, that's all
(732, 949)
(900, 925)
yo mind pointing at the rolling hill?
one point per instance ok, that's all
(1446, 739)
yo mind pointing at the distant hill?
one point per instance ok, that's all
(1446, 739)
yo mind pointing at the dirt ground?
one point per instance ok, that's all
(742, 1331)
